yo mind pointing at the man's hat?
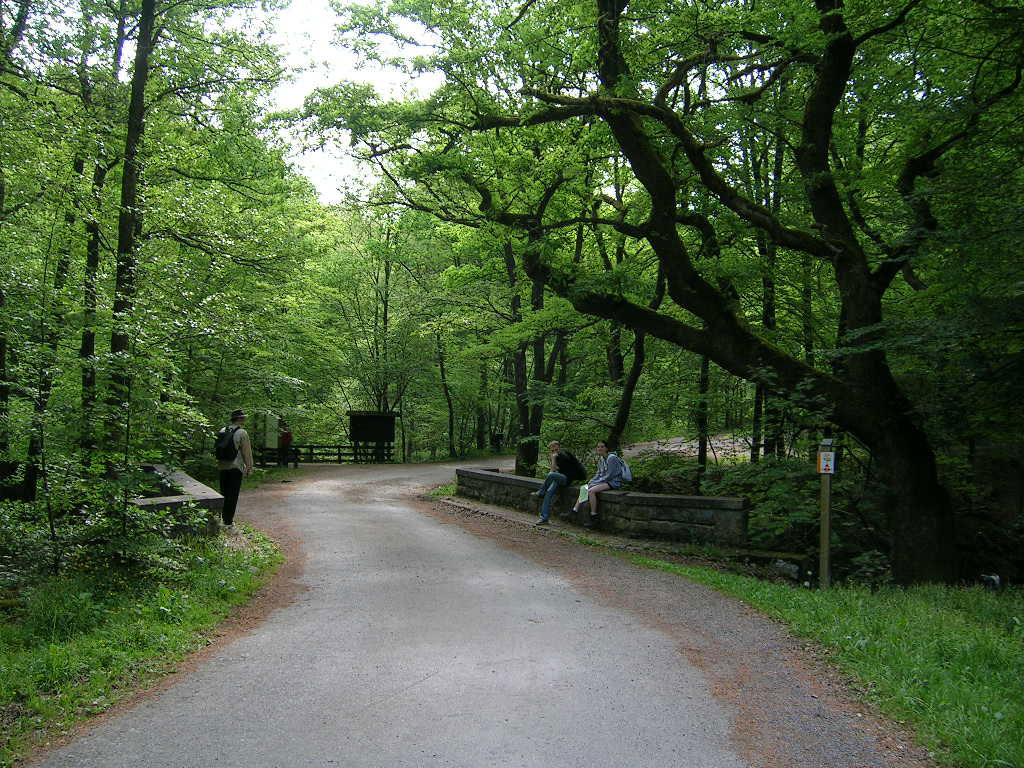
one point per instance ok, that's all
(236, 414)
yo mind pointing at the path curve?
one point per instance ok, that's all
(421, 639)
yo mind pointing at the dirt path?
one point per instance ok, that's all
(403, 636)
(787, 707)
(719, 447)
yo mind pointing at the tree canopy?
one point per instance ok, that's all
(611, 220)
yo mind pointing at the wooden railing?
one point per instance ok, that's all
(374, 453)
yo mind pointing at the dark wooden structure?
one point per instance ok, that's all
(373, 436)
(373, 442)
(326, 454)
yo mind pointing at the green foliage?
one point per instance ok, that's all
(416, 294)
(665, 473)
(522, 147)
(71, 646)
(785, 504)
(87, 521)
(783, 495)
(948, 660)
(448, 489)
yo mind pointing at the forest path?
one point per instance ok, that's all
(418, 639)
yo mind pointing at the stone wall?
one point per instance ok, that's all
(704, 519)
(182, 489)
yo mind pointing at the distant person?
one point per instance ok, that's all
(564, 469)
(609, 476)
(234, 460)
(284, 443)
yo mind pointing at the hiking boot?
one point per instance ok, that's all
(542, 522)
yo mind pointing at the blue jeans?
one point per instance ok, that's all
(552, 483)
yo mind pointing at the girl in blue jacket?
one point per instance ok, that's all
(609, 476)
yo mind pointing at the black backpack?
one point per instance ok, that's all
(224, 447)
(575, 470)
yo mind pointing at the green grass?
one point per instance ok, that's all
(441, 491)
(205, 471)
(77, 644)
(263, 476)
(948, 660)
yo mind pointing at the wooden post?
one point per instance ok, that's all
(826, 468)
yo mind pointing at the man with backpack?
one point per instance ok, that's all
(234, 460)
(565, 469)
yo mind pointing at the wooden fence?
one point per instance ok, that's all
(371, 453)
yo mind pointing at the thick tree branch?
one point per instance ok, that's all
(712, 179)
(896, 21)
(832, 74)
(490, 122)
(924, 165)
(10, 40)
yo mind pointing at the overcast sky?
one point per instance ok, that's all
(305, 31)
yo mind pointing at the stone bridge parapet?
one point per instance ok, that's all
(701, 519)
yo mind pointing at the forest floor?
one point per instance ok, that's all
(719, 447)
(407, 635)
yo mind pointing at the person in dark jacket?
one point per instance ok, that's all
(284, 443)
(564, 467)
(234, 469)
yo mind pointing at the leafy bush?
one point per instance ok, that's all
(664, 473)
(783, 494)
(85, 522)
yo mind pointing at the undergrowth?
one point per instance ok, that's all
(71, 646)
(441, 491)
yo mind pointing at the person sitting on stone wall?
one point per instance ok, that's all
(565, 468)
(608, 476)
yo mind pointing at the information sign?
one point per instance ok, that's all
(826, 462)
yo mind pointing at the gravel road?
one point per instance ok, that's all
(400, 635)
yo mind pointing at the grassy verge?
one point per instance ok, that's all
(947, 660)
(442, 491)
(264, 475)
(205, 471)
(77, 644)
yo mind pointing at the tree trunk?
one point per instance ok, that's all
(87, 350)
(542, 376)
(807, 307)
(51, 324)
(616, 363)
(129, 223)
(481, 409)
(755, 426)
(5, 386)
(447, 396)
(527, 448)
(918, 508)
(701, 418)
(628, 390)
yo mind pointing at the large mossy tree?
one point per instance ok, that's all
(841, 136)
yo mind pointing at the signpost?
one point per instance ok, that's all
(826, 468)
